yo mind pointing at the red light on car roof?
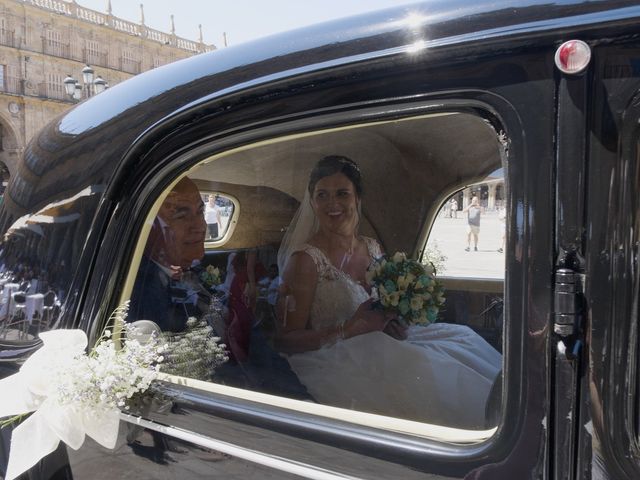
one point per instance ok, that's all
(573, 56)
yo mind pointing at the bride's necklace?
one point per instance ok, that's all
(346, 257)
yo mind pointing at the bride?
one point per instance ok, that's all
(349, 354)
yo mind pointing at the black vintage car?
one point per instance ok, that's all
(531, 107)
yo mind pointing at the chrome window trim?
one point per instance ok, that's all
(271, 461)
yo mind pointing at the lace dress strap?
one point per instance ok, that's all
(375, 251)
(323, 265)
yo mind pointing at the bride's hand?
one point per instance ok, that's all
(396, 330)
(365, 320)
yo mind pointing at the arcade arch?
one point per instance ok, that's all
(10, 148)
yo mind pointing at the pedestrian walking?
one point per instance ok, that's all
(473, 212)
(453, 211)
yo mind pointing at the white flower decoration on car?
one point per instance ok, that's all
(72, 394)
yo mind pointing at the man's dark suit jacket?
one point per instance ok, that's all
(151, 299)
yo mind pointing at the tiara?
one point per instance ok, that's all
(345, 161)
(350, 162)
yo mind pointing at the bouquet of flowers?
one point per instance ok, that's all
(194, 353)
(72, 393)
(407, 288)
(211, 276)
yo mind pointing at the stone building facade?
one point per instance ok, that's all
(42, 42)
(490, 192)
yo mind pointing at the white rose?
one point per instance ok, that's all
(398, 257)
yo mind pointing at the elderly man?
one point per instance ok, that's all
(163, 291)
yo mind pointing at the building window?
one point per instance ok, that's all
(12, 79)
(130, 61)
(93, 54)
(3, 69)
(54, 44)
(6, 37)
(55, 86)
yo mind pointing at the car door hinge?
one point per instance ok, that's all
(568, 302)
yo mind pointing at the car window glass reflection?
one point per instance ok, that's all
(38, 255)
(166, 289)
(287, 306)
(218, 213)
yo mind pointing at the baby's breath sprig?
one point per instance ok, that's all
(108, 377)
(194, 353)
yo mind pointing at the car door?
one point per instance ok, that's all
(379, 98)
(607, 248)
(425, 117)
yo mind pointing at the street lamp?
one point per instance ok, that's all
(100, 85)
(87, 75)
(90, 86)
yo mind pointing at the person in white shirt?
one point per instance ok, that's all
(212, 217)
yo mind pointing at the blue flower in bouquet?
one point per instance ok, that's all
(407, 288)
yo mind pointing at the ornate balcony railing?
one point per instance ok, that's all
(95, 58)
(72, 9)
(48, 90)
(56, 49)
(130, 66)
(63, 48)
(12, 85)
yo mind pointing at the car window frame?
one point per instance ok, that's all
(418, 429)
(471, 102)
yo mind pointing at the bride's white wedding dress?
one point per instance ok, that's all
(441, 374)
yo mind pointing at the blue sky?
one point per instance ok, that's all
(242, 20)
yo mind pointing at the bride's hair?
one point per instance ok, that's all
(332, 164)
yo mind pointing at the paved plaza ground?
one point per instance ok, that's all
(450, 237)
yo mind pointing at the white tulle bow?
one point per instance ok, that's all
(35, 389)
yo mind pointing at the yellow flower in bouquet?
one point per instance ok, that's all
(407, 288)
